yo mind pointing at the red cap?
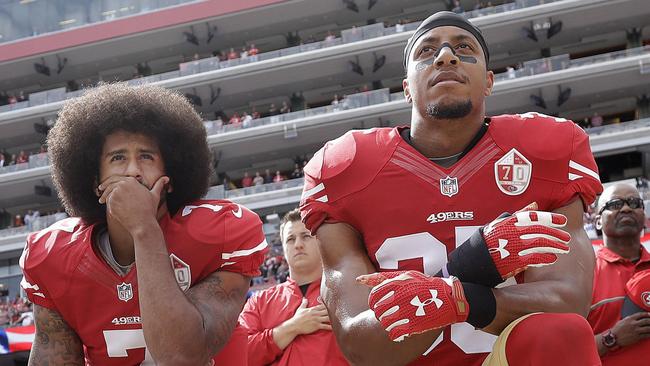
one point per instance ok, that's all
(637, 290)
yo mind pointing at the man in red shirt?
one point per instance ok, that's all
(412, 198)
(620, 337)
(144, 272)
(247, 180)
(287, 324)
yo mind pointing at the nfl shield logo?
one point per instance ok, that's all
(124, 292)
(181, 272)
(512, 173)
(449, 186)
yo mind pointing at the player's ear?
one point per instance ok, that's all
(407, 91)
(489, 82)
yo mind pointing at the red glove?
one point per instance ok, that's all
(409, 302)
(525, 239)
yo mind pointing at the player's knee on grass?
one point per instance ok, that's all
(546, 339)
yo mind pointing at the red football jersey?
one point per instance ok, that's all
(411, 212)
(64, 272)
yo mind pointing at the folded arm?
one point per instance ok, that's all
(361, 337)
(564, 287)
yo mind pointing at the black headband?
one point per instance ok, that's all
(441, 19)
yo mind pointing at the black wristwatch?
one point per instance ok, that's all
(609, 339)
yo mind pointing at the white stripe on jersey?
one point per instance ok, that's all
(574, 176)
(28, 286)
(188, 209)
(583, 169)
(245, 252)
(313, 191)
(322, 199)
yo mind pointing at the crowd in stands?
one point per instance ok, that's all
(27, 218)
(259, 179)
(456, 6)
(12, 99)
(7, 159)
(15, 312)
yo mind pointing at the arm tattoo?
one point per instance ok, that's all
(55, 343)
(219, 298)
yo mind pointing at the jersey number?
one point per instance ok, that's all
(433, 254)
(118, 342)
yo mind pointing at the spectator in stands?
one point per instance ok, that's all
(246, 119)
(18, 221)
(29, 219)
(287, 324)
(21, 97)
(278, 177)
(297, 171)
(282, 271)
(2, 160)
(244, 53)
(456, 7)
(268, 178)
(293, 39)
(585, 123)
(285, 108)
(232, 54)
(596, 120)
(228, 184)
(273, 110)
(247, 181)
(335, 102)
(621, 340)
(253, 52)
(297, 102)
(258, 180)
(71, 86)
(234, 119)
(329, 38)
(22, 157)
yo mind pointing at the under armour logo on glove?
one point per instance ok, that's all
(501, 249)
(421, 304)
(532, 239)
(396, 300)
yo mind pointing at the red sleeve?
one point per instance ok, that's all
(245, 244)
(35, 288)
(228, 236)
(262, 349)
(45, 263)
(341, 168)
(583, 179)
(317, 204)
